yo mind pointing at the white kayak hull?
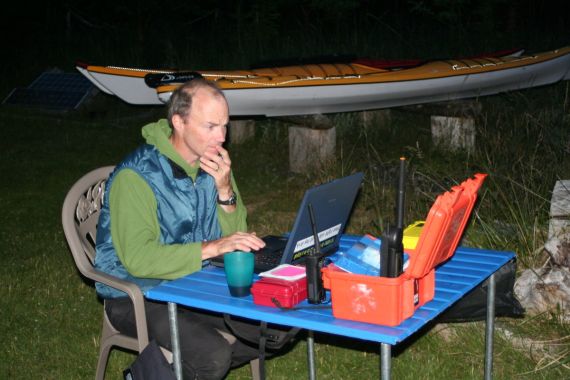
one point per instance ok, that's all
(359, 97)
(385, 89)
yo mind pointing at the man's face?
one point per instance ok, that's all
(204, 128)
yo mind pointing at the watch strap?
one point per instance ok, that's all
(232, 200)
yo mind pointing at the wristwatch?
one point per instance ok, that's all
(232, 200)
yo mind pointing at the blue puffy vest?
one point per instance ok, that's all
(186, 212)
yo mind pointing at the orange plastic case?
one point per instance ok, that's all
(389, 301)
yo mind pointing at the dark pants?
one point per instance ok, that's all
(205, 353)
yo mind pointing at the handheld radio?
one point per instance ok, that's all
(314, 264)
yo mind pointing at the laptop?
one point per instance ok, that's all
(331, 203)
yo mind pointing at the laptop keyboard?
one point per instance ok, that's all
(264, 260)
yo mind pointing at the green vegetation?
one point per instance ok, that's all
(50, 317)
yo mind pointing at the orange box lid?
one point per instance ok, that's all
(444, 226)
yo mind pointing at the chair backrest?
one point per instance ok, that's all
(80, 214)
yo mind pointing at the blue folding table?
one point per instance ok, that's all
(467, 268)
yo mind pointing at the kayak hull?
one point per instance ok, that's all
(330, 88)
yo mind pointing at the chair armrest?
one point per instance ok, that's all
(136, 296)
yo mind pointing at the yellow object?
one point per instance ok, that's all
(412, 234)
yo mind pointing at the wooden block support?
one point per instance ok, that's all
(455, 108)
(316, 121)
(310, 149)
(376, 117)
(241, 131)
(453, 133)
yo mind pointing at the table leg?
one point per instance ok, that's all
(175, 340)
(311, 355)
(490, 328)
(385, 361)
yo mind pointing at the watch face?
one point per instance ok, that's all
(229, 202)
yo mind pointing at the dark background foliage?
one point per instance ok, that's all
(235, 34)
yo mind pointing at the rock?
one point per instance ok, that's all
(558, 243)
(545, 289)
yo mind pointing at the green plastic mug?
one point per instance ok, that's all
(238, 266)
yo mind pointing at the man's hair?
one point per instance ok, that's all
(180, 102)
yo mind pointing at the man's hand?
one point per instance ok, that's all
(239, 241)
(216, 162)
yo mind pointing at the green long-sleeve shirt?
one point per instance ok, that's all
(135, 228)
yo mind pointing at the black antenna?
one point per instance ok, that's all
(401, 194)
(314, 228)
(392, 248)
(313, 266)
(399, 233)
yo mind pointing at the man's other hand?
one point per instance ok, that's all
(239, 241)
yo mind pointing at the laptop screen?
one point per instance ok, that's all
(331, 203)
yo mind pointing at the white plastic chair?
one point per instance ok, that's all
(79, 217)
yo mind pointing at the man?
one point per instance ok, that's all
(169, 205)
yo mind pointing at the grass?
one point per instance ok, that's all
(50, 318)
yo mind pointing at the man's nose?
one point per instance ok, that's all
(221, 135)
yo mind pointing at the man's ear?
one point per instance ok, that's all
(177, 122)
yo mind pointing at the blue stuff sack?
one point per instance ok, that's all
(363, 257)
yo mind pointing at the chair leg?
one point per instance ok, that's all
(106, 342)
(102, 362)
(255, 369)
(106, 332)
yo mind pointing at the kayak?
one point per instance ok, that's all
(358, 85)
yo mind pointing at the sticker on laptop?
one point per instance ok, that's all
(323, 235)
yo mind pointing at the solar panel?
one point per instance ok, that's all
(53, 90)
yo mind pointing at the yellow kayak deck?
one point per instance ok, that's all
(343, 73)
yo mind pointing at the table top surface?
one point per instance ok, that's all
(208, 290)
